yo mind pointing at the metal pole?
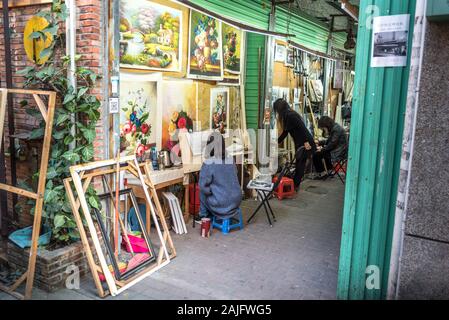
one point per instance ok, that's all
(71, 51)
(8, 69)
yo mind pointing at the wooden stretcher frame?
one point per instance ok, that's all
(82, 176)
(48, 115)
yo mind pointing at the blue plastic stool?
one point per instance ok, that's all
(226, 225)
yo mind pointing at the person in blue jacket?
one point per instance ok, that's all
(220, 193)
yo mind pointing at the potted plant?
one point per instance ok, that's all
(72, 143)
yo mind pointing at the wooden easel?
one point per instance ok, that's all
(47, 114)
(82, 176)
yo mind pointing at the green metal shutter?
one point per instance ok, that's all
(339, 40)
(374, 158)
(254, 13)
(254, 42)
(308, 31)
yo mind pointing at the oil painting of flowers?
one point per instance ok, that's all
(219, 109)
(150, 36)
(179, 112)
(205, 48)
(136, 120)
(232, 42)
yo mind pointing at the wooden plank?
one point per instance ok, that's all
(12, 293)
(20, 192)
(18, 282)
(75, 205)
(93, 232)
(3, 103)
(41, 106)
(40, 192)
(39, 196)
(25, 3)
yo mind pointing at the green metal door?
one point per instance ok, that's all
(374, 158)
(255, 45)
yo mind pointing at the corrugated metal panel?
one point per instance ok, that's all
(374, 157)
(338, 40)
(252, 12)
(254, 43)
(308, 32)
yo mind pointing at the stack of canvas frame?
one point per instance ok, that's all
(94, 245)
(172, 203)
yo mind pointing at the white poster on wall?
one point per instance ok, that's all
(390, 41)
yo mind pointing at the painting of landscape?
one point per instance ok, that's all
(150, 36)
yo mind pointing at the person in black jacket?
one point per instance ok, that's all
(293, 124)
(334, 149)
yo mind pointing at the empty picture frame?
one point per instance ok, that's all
(47, 110)
(110, 250)
(82, 176)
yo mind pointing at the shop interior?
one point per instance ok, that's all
(185, 72)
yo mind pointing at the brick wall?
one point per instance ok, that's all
(89, 43)
(51, 266)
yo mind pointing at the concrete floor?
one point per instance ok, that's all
(296, 259)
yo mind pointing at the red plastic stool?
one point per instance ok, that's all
(286, 188)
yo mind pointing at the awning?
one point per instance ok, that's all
(312, 52)
(231, 22)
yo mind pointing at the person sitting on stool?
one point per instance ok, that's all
(293, 124)
(333, 149)
(220, 193)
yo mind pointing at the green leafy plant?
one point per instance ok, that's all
(76, 115)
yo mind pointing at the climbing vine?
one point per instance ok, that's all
(72, 140)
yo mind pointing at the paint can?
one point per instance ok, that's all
(205, 227)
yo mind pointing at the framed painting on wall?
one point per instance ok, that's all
(150, 36)
(219, 109)
(232, 48)
(179, 111)
(140, 112)
(205, 60)
(290, 57)
(279, 53)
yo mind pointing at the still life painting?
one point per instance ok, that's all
(137, 114)
(150, 36)
(205, 48)
(179, 112)
(219, 109)
(232, 43)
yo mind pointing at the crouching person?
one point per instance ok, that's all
(220, 193)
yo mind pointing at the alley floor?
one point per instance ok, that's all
(296, 259)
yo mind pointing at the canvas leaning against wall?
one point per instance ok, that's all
(150, 36)
(205, 48)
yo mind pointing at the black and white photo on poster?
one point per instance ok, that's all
(390, 41)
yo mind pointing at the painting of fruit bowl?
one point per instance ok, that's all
(150, 36)
(205, 47)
